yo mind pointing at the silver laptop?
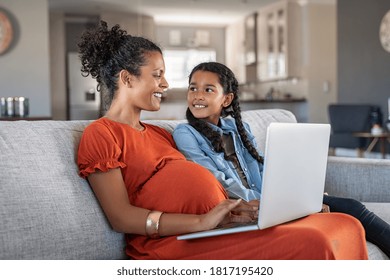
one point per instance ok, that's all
(293, 177)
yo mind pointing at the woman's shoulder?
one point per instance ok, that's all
(104, 129)
(99, 126)
(96, 125)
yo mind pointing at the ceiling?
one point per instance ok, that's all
(210, 12)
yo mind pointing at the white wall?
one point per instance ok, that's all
(58, 66)
(235, 49)
(321, 60)
(24, 70)
(136, 25)
(363, 64)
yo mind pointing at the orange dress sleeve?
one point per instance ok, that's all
(99, 150)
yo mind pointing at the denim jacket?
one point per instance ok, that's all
(198, 148)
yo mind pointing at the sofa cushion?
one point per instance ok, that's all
(346, 176)
(259, 120)
(374, 253)
(46, 210)
(381, 210)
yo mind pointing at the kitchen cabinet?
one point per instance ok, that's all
(251, 39)
(251, 48)
(235, 50)
(279, 53)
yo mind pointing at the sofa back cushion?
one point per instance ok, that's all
(259, 120)
(46, 210)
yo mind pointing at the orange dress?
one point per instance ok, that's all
(158, 177)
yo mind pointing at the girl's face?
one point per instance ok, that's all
(151, 84)
(206, 97)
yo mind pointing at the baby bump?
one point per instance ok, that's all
(180, 187)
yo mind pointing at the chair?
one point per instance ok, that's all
(345, 119)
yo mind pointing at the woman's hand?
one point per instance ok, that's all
(229, 211)
(249, 209)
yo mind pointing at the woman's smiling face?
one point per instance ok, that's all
(206, 97)
(151, 84)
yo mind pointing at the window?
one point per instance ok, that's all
(179, 63)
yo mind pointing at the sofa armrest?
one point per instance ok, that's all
(366, 180)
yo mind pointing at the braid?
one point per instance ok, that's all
(213, 136)
(236, 114)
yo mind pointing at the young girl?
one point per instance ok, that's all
(227, 147)
(149, 191)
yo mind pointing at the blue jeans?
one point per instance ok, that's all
(377, 230)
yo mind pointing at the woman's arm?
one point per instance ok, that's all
(110, 190)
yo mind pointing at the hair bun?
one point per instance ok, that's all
(97, 46)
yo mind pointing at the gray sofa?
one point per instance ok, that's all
(48, 212)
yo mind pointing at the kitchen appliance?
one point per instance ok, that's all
(21, 106)
(3, 104)
(14, 106)
(84, 99)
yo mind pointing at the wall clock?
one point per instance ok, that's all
(6, 32)
(384, 32)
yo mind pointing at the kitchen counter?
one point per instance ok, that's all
(298, 106)
(25, 118)
(263, 100)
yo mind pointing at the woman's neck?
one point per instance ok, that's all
(119, 113)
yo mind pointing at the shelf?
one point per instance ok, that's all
(25, 118)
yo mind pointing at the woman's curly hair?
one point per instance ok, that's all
(229, 84)
(105, 52)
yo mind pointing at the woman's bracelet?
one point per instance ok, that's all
(152, 224)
